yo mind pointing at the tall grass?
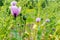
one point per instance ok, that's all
(29, 29)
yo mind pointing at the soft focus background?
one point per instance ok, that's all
(29, 29)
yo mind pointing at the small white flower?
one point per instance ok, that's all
(38, 19)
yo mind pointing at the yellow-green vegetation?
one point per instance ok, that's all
(26, 27)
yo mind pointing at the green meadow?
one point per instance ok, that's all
(25, 27)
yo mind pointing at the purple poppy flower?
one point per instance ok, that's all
(47, 20)
(38, 19)
(15, 10)
(13, 3)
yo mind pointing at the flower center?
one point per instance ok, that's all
(15, 15)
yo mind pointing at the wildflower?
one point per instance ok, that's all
(15, 10)
(38, 19)
(47, 20)
(13, 3)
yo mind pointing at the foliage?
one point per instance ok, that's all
(25, 26)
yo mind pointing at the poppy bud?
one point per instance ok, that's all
(47, 20)
(13, 3)
(20, 14)
(24, 17)
(22, 25)
(53, 29)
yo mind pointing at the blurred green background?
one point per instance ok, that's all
(29, 29)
